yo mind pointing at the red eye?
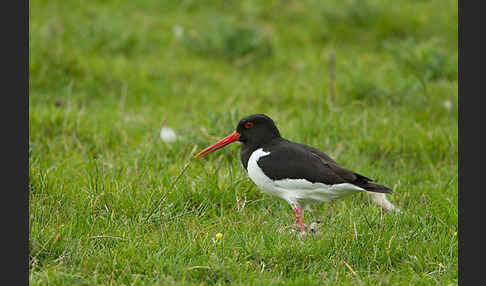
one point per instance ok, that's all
(249, 125)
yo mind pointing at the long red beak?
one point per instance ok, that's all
(220, 144)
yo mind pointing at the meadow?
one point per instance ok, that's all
(372, 83)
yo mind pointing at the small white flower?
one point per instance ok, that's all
(168, 134)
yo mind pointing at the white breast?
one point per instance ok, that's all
(256, 174)
(296, 190)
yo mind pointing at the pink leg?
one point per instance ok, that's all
(299, 218)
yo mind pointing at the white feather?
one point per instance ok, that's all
(381, 200)
(168, 134)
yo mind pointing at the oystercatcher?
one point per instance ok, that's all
(297, 173)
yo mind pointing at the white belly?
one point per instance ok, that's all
(298, 191)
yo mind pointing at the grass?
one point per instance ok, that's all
(105, 77)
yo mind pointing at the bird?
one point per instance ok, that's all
(299, 174)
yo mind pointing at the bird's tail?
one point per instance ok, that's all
(376, 188)
(367, 184)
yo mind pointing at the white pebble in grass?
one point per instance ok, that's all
(168, 134)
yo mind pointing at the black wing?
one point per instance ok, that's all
(298, 161)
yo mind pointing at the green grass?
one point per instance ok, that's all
(105, 76)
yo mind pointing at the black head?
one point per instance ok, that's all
(254, 131)
(257, 129)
